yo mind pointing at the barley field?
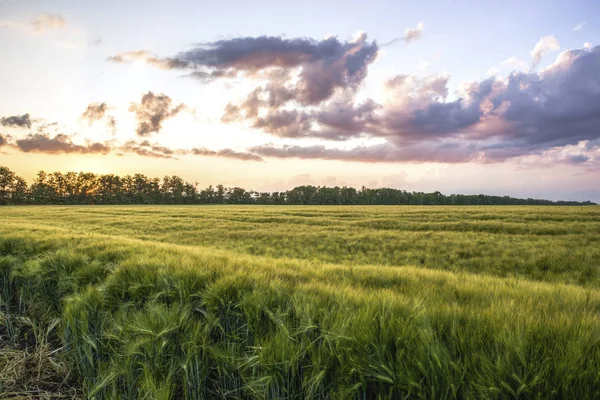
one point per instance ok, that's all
(299, 302)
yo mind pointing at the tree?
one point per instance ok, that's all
(13, 188)
(20, 191)
(41, 191)
(6, 181)
(220, 195)
(89, 188)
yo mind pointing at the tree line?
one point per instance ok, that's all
(90, 188)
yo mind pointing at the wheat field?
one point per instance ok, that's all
(284, 302)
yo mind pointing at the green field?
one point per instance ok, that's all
(284, 302)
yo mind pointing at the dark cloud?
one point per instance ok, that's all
(45, 143)
(255, 53)
(205, 76)
(247, 109)
(226, 153)
(323, 66)
(147, 149)
(341, 120)
(337, 120)
(95, 112)
(59, 144)
(21, 121)
(308, 89)
(98, 112)
(577, 159)
(421, 110)
(152, 111)
(418, 109)
(532, 112)
(557, 107)
(490, 121)
(147, 57)
(319, 80)
(311, 86)
(425, 152)
(285, 123)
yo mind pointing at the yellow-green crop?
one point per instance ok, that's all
(168, 302)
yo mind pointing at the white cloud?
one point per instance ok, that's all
(508, 65)
(414, 34)
(423, 66)
(514, 63)
(587, 45)
(545, 45)
(579, 26)
(493, 71)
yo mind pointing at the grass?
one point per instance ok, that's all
(168, 302)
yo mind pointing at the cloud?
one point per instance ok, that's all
(410, 35)
(45, 143)
(323, 69)
(48, 21)
(211, 76)
(584, 152)
(308, 88)
(286, 123)
(424, 152)
(577, 159)
(42, 23)
(559, 106)
(493, 120)
(147, 57)
(95, 112)
(545, 45)
(257, 53)
(59, 144)
(514, 63)
(343, 118)
(587, 45)
(226, 153)
(147, 149)
(417, 109)
(98, 112)
(309, 71)
(20, 121)
(338, 119)
(579, 26)
(152, 111)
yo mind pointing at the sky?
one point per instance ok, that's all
(494, 97)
